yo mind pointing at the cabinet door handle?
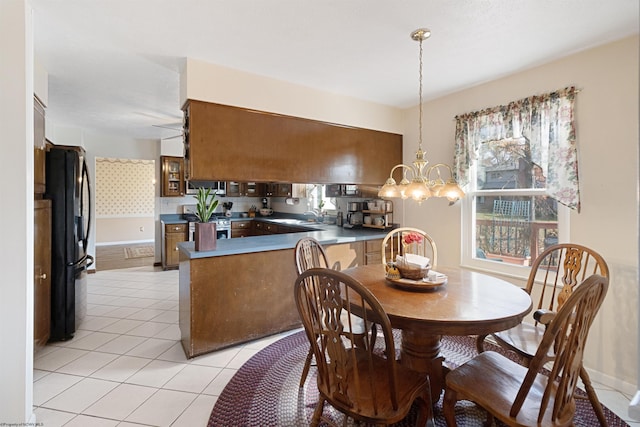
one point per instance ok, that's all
(176, 248)
(177, 228)
(42, 276)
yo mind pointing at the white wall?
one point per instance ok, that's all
(16, 254)
(213, 83)
(124, 200)
(607, 133)
(119, 231)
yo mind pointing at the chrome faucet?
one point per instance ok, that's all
(313, 212)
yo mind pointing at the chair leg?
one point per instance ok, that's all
(359, 341)
(593, 398)
(307, 365)
(425, 409)
(448, 407)
(490, 420)
(317, 414)
(480, 343)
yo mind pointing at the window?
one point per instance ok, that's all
(317, 199)
(508, 217)
(519, 166)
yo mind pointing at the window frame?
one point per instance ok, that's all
(468, 257)
(317, 193)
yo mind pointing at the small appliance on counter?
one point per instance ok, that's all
(354, 220)
(227, 209)
(354, 215)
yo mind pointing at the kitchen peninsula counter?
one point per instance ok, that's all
(243, 290)
(326, 234)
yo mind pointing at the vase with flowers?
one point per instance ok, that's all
(412, 243)
(205, 230)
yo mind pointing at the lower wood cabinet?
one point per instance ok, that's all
(270, 228)
(172, 234)
(242, 229)
(42, 273)
(373, 251)
(261, 228)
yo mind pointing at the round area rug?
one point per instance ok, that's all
(265, 391)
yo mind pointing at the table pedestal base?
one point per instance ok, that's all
(421, 352)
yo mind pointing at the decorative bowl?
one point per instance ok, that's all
(266, 212)
(413, 273)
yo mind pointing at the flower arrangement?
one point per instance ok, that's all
(412, 237)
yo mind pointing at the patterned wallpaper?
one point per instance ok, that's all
(124, 187)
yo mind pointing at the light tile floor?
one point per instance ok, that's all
(126, 367)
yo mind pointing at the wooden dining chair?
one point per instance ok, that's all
(394, 243)
(365, 383)
(309, 253)
(520, 396)
(554, 276)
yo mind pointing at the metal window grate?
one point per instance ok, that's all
(510, 229)
(519, 210)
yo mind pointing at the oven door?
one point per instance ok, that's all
(224, 233)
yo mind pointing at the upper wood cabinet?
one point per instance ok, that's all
(230, 143)
(39, 147)
(172, 176)
(245, 189)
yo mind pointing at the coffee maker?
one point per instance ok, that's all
(354, 215)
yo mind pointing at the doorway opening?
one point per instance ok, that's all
(125, 213)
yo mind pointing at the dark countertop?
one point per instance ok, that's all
(326, 234)
(172, 219)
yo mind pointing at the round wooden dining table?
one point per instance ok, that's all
(469, 303)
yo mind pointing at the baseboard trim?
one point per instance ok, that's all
(125, 242)
(634, 407)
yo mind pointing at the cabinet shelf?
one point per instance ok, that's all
(375, 212)
(379, 227)
(375, 215)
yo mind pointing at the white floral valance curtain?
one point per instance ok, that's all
(546, 121)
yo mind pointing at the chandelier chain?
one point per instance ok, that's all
(420, 96)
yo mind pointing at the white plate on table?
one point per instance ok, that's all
(418, 285)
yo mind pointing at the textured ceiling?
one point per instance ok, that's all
(114, 64)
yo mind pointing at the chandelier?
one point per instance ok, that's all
(421, 186)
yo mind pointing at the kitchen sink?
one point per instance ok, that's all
(293, 221)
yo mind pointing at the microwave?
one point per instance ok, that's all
(220, 187)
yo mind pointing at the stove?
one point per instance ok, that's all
(223, 227)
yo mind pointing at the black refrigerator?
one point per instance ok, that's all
(67, 185)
